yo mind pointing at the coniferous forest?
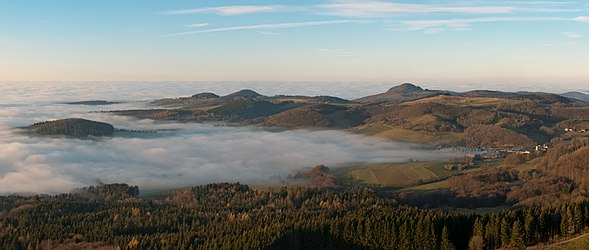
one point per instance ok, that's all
(522, 181)
(235, 216)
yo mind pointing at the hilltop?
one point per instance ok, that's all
(401, 93)
(577, 95)
(73, 127)
(246, 94)
(406, 112)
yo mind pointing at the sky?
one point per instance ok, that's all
(455, 42)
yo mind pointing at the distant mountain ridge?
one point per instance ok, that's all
(405, 112)
(246, 93)
(576, 95)
(409, 92)
(205, 95)
(401, 93)
(93, 103)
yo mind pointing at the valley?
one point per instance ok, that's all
(505, 154)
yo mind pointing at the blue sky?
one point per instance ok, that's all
(527, 42)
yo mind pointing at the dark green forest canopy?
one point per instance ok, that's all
(72, 127)
(235, 216)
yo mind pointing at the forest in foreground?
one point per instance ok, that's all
(524, 185)
(235, 216)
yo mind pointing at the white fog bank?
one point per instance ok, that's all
(193, 154)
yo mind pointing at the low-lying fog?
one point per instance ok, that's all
(183, 155)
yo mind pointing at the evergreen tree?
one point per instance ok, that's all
(445, 243)
(431, 242)
(564, 222)
(405, 237)
(530, 227)
(543, 226)
(578, 220)
(16, 244)
(477, 228)
(476, 243)
(518, 236)
(492, 236)
(505, 233)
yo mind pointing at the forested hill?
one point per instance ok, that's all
(73, 127)
(235, 216)
(479, 118)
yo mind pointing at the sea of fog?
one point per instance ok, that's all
(180, 154)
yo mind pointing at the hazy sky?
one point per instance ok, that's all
(527, 42)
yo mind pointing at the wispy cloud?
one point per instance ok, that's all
(269, 26)
(197, 25)
(375, 8)
(537, 2)
(228, 10)
(582, 19)
(572, 35)
(466, 23)
(549, 10)
(353, 8)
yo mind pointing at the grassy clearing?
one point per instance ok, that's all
(406, 135)
(525, 166)
(394, 174)
(427, 187)
(424, 119)
(365, 176)
(459, 101)
(438, 168)
(578, 243)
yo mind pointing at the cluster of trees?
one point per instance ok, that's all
(497, 187)
(569, 159)
(317, 115)
(495, 136)
(73, 127)
(519, 228)
(234, 216)
(559, 175)
(117, 191)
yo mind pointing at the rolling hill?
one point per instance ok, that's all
(73, 127)
(401, 93)
(319, 115)
(405, 112)
(246, 93)
(577, 96)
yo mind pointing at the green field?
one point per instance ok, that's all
(428, 186)
(394, 174)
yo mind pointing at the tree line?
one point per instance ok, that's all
(234, 216)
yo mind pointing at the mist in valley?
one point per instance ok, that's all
(178, 155)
